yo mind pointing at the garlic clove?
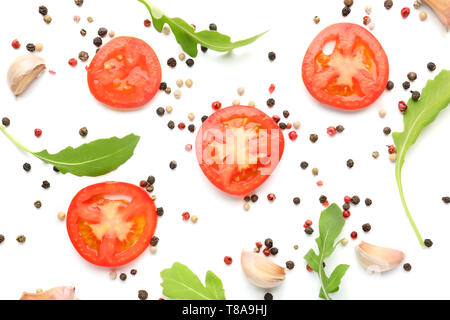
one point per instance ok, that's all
(23, 71)
(58, 293)
(442, 9)
(261, 271)
(378, 259)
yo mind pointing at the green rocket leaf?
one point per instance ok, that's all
(189, 39)
(434, 98)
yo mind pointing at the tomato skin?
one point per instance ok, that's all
(146, 211)
(215, 122)
(347, 34)
(134, 78)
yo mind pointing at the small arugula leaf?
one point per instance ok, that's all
(91, 159)
(179, 282)
(331, 223)
(434, 98)
(189, 39)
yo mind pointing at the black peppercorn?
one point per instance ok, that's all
(340, 128)
(160, 211)
(366, 227)
(304, 165)
(270, 102)
(272, 56)
(204, 118)
(38, 204)
(415, 95)
(2, 238)
(247, 198)
(368, 202)
(171, 124)
(309, 230)
(142, 295)
(388, 4)
(350, 163)
(151, 180)
(83, 132)
(386, 130)
(355, 200)
(213, 27)
(254, 198)
(296, 200)
(98, 41)
(6, 122)
(428, 243)
(102, 32)
(290, 265)
(191, 128)
(26, 166)
(407, 267)
(204, 49)
(160, 111)
(274, 251)
(163, 86)
(346, 11)
(406, 85)
(190, 62)
(79, 2)
(322, 199)
(83, 32)
(123, 276)
(390, 85)
(412, 76)
(285, 113)
(172, 165)
(446, 200)
(268, 243)
(346, 206)
(55, 169)
(268, 296)
(149, 188)
(45, 184)
(31, 47)
(172, 62)
(282, 125)
(83, 56)
(154, 241)
(43, 10)
(431, 66)
(313, 138)
(133, 272)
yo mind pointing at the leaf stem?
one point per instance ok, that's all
(402, 197)
(17, 143)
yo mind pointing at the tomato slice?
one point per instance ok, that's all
(125, 73)
(111, 223)
(238, 148)
(353, 75)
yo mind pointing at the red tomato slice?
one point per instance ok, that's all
(125, 73)
(238, 148)
(354, 75)
(111, 223)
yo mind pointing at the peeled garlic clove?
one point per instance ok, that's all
(58, 293)
(442, 10)
(378, 259)
(23, 71)
(261, 271)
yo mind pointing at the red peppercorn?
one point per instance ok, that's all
(216, 105)
(347, 199)
(308, 223)
(38, 132)
(15, 44)
(354, 235)
(186, 215)
(326, 204)
(366, 20)
(181, 126)
(288, 125)
(271, 197)
(271, 88)
(402, 106)
(266, 251)
(147, 23)
(259, 245)
(276, 119)
(331, 131)
(392, 149)
(73, 62)
(228, 260)
(309, 268)
(293, 135)
(346, 214)
(405, 12)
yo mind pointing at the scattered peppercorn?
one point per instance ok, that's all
(412, 76)
(147, 23)
(304, 165)
(415, 95)
(123, 276)
(142, 295)
(204, 118)
(390, 85)
(43, 10)
(228, 260)
(316, 19)
(296, 200)
(172, 62)
(133, 272)
(31, 47)
(154, 241)
(368, 202)
(173, 165)
(270, 102)
(407, 267)
(350, 163)
(83, 56)
(162, 86)
(83, 132)
(405, 12)
(402, 106)
(2, 238)
(366, 227)
(160, 111)
(190, 62)
(191, 128)
(315, 171)
(274, 251)
(171, 124)
(354, 235)
(309, 230)
(21, 239)
(355, 200)
(386, 130)
(160, 211)
(346, 11)
(47, 19)
(446, 200)
(268, 296)
(272, 56)
(290, 264)
(38, 204)
(98, 41)
(254, 198)
(431, 66)
(26, 167)
(340, 128)
(6, 122)
(83, 32)
(45, 184)
(204, 49)
(271, 197)
(79, 2)
(313, 137)
(406, 85)
(322, 199)
(282, 125)
(102, 32)
(428, 243)
(213, 27)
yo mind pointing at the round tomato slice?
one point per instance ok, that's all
(125, 73)
(238, 148)
(353, 75)
(111, 223)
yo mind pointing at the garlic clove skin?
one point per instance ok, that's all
(442, 9)
(378, 259)
(58, 293)
(261, 271)
(23, 71)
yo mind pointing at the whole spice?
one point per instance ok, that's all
(173, 165)
(388, 4)
(350, 163)
(296, 200)
(402, 107)
(390, 85)
(366, 227)
(423, 15)
(21, 239)
(270, 102)
(405, 12)
(102, 32)
(355, 200)
(428, 243)
(38, 204)
(228, 260)
(47, 19)
(304, 165)
(348, 3)
(79, 2)
(386, 130)
(172, 62)
(431, 66)
(368, 202)
(309, 231)
(123, 276)
(6, 122)
(26, 167)
(346, 11)
(83, 56)
(272, 56)
(415, 95)
(290, 264)
(43, 10)
(97, 41)
(316, 19)
(406, 85)
(407, 267)
(2, 238)
(160, 212)
(446, 200)
(142, 295)
(412, 76)
(83, 32)
(15, 44)
(313, 138)
(31, 47)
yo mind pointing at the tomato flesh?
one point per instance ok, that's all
(125, 73)
(238, 148)
(111, 223)
(353, 75)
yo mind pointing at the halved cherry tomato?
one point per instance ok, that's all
(354, 75)
(125, 73)
(111, 223)
(238, 148)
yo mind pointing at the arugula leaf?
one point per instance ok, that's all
(189, 39)
(179, 282)
(91, 159)
(434, 98)
(331, 223)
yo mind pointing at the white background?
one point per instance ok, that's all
(61, 104)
